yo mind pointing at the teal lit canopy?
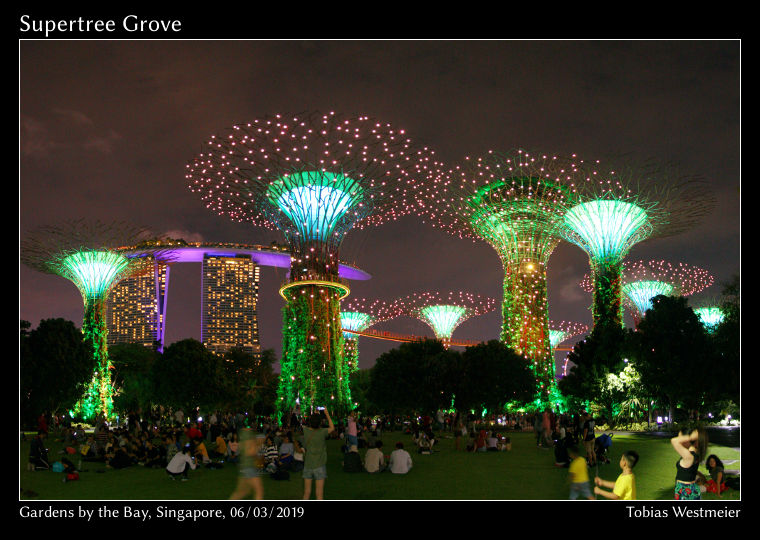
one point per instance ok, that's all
(710, 316)
(358, 322)
(606, 229)
(443, 319)
(93, 272)
(640, 293)
(315, 201)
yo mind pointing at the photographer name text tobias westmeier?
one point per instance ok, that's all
(130, 23)
(682, 512)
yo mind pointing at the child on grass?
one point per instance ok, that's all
(578, 475)
(624, 488)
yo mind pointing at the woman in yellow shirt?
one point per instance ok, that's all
(624, 488)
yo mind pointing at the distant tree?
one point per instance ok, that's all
(728, 346)
(55, 366)
(490, 375)
(188, 375)
(674, 354)
(602, 353)
(264, 383)
(360, 383)
(401, 380)
(132, 380)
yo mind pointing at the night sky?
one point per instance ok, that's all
(106, 128)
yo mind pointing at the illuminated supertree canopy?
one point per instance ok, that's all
(443, 312)
(711, 316)
(563, 330)
(358, 314)
(616, 208)
(516, 202)
(643, 280)
(313, 177)
(91, 256)
(560, 331)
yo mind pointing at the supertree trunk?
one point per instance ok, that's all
(351, 355)
(313, 370)
(607, 308)
(98, 398)
(525, 326)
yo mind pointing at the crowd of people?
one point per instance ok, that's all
(260, 446)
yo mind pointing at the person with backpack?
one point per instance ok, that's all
(315, 458)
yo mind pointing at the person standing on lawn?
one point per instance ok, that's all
(315, 458)
(624, 488)
(578, 475)
(691, 448)
(251, 465)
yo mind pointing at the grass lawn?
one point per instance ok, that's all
(524, 473)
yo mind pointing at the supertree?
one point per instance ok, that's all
(710, 315)
(643, 280)
(443, 312)
(563, 330)
(313, 177)
(515, 201)
(622, 206)
(91, 256)
(358, 314)
(560, 331)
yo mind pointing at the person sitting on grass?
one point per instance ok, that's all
(153, 457)
(374, 460)
(220, 447)
(492, 443)
(577, 475)
(119, 460)
(270, 455)
(38, 454)
(201, 452)
(172, 449)
(400, 461)
(298, 457)
(180, 464)
(717, 482)
(424, 444)
(480, 442)
(285, 452)
(505, 443)
(233, 448)
(624, 488)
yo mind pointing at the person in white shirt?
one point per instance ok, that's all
(401, 461)
(374, 461)
(180, 464)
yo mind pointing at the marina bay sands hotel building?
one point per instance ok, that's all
(136, 310)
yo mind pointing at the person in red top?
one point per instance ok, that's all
(193, 433)
(42, 423)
